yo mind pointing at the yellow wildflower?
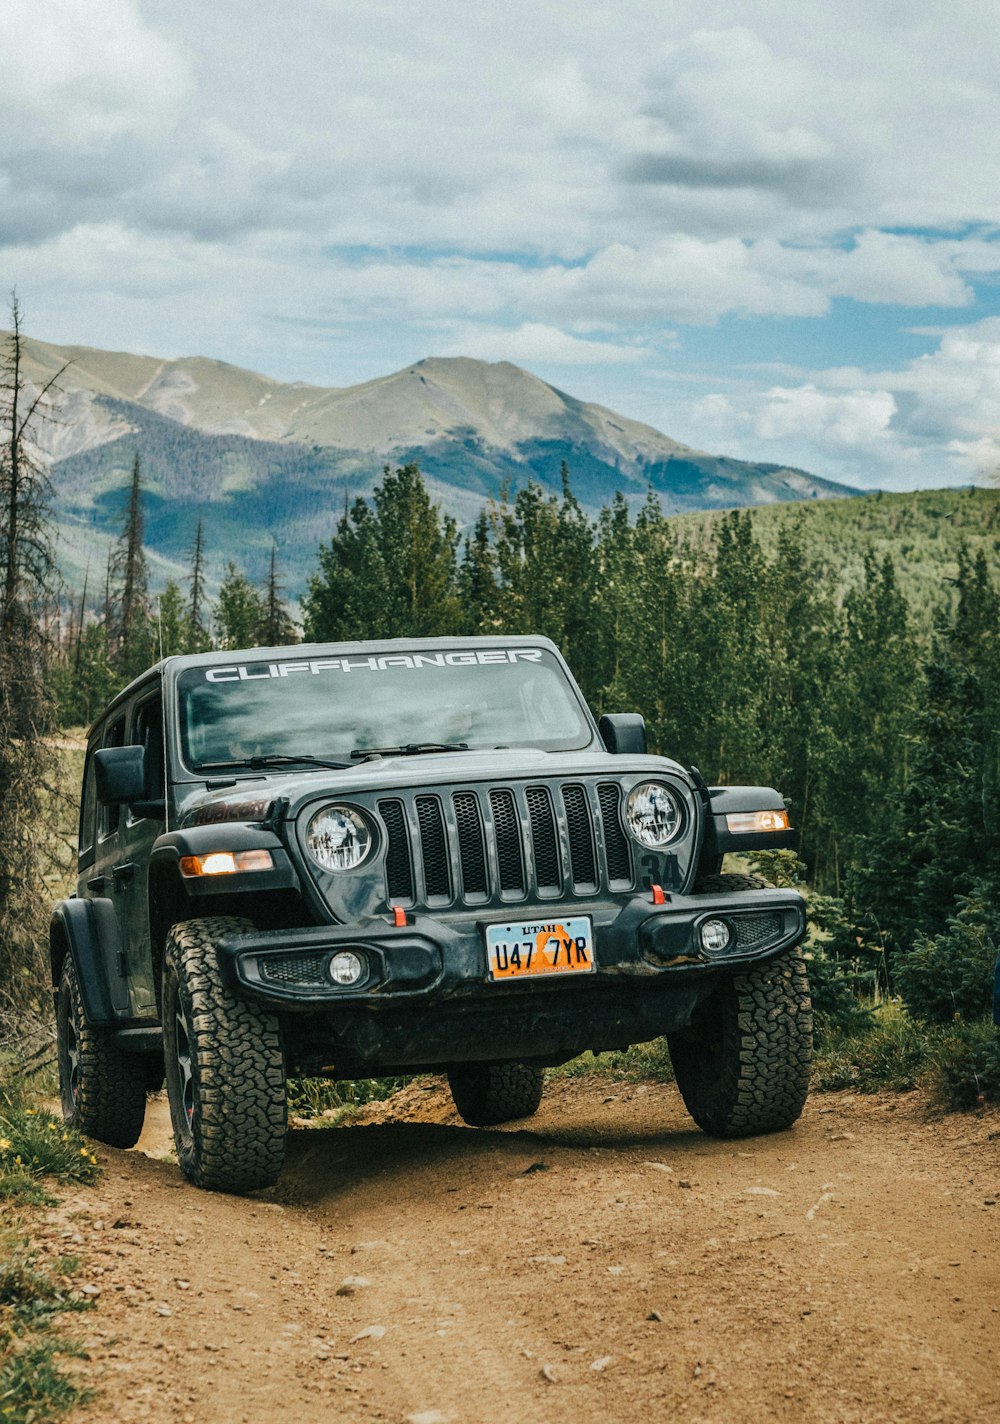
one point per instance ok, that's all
(4, 1144)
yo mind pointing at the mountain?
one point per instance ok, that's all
(254, 457)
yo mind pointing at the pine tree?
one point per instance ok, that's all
(239, 611)
(196, 636)
(131, 638)
(277, 627)
(173, 623)
(390, 571)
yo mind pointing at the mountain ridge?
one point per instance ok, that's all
(258, 458)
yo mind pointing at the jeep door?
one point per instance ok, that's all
(99, 857)
(136, 833)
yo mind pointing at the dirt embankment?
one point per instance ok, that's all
(604, 1261)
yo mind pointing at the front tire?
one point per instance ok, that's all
(102, 1090)
(486, 1094)
(742, 1066)
(225, 1067)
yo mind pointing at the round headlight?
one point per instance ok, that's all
(338, 838)
(652, 814)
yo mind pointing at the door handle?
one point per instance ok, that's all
(122, 874)
(97, 884)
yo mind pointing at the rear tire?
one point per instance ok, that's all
(225, 1067)
(743, 1064)
(486, 1094)
(102, 1090)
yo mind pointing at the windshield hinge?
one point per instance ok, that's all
(276, 813)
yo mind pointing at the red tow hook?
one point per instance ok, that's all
(659, 898)
(398, 917)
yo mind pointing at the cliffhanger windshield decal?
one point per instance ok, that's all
(338, 706)
(482, 657)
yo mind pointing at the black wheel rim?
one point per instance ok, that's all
(71, 1062)
(183, 1071)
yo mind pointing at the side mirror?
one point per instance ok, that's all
(623, 733)
(120, 774)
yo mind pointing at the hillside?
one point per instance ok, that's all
(920, 530)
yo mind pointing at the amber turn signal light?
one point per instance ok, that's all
(745, 821)
(226, 862)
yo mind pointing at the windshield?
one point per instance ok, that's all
(329, 707)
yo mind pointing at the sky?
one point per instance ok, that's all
(772, 230)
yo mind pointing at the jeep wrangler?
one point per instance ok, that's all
(412, 856)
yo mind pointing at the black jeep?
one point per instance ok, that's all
(376, 858)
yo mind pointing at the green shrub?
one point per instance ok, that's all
(950, 976)
(34, 1143)
(967, 1067)
(894, 1052)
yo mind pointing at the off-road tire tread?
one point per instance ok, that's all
(111, 1102)
(486, 1094)
(758, 1079)
(236, 1140)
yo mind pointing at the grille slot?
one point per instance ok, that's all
(752, 930)
(507, 829)
(293, 968)
(437, 878)
(581, 838)
(615, 844)
(398, 869)
(543, 838)
(471, 848)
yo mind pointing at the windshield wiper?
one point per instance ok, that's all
(409, 749)
(262, 763)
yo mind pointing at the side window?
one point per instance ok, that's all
(88, 810)
(147, 732)
(107, 816)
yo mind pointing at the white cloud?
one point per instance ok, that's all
(535, 344)
(87, 71)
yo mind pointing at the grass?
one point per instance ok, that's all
(334, 1101)
(35, 1148)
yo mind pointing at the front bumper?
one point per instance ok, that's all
(432, 961)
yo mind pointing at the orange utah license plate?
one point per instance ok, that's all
(523, 950)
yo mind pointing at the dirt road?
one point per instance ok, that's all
(604, 1262)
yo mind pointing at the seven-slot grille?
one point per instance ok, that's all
(503, 843)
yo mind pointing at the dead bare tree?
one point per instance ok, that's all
(30, 842)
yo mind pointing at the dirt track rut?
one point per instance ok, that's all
(604, 1261)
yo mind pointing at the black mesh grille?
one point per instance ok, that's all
(581, 840)
(507, 829)
(470, 843)
(615, 845)
(755, 929)
(293, 968)
(434, 847)
(543, 838)
(398, 870)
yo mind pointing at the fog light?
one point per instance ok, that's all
(346, 967)
(714, 935)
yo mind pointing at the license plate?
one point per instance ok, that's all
(525, 950)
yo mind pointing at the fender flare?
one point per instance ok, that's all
(88, 931)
